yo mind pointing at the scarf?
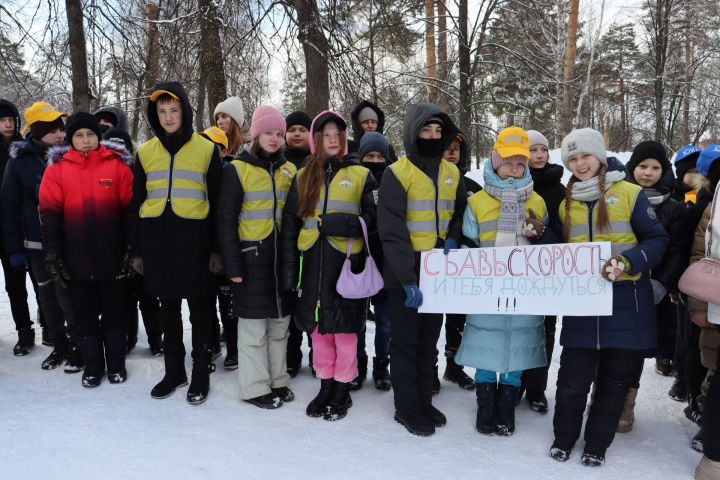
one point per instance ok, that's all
(512, 193)
(589, 190)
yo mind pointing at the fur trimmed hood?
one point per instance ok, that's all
(116, 149)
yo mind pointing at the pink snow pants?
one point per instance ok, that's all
(335, 356)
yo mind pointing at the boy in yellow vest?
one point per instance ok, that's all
(177, 179)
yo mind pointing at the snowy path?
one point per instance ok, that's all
(50, 425)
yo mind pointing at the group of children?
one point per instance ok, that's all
(264, 217)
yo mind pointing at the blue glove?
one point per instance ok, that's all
(413, 296)
(450, 244)
(19, 260)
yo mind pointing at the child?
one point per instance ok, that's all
(85, 197)
(420, 205)
(547, 183)
(230, 117)
(600, 206)
(321, 214)
(253, 194)
(685, 189)
(504, 344)
(177, 180)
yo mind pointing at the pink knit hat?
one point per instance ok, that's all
(266, 118)
(497, 160)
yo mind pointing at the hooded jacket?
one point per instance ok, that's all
(5, 146)
(175, 251)
(464, 165)
(121, 121)
(401, 263)
(85, 209)
(358, 131)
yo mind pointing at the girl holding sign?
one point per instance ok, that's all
(505, 213)
(600, 206)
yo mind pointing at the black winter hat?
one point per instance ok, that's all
(298, 118)
(79, 120)
(119, 136)
(649, 149)
(39, 129)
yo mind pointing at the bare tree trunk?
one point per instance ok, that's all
(464, 64)
(685, 129)
(78, 56)
(315, 48)
(430, 54)
(661, 36)
(570, 51)
(594, 41)
(373, 80)
(152, 48)
(200, 112)
(212, 68)
(442, 54)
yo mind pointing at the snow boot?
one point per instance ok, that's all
(74, 362)
(663, 366)
(285, 394)
(46, 337)
(91, 381)
(339, 403)
(560, 454)
(318, 405)
(416, 423)
(25, 343)
(175, 377)
(692, 411)
(91, 351)
(115, 343)
(485, 422)
(505, 403)
(200, 382)
(454, 373)
(678, 391)
(357, 382)
(54, 360)
(380, 374)
(537, 400)
(438, 418)
(156, 346)
(231, 362)
(627, 418)
(697, 441)
(436, 382)
(707, 469)
(269, 401)
(592, 460)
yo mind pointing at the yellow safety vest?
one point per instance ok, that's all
(620, 200)
(345, 195)
(486, 209)
(429, 208)
(263, 198)
(186, 170)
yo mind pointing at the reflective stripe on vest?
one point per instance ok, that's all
(428, 217)
(345, 196)
(187, 194)
(263, 198)
(620, 201)
(486, 209)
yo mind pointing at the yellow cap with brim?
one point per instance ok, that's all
(513, 141)
(41, 112)
(216, 135)
(154, 96)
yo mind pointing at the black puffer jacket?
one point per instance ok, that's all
(547, 183)
(120, 117)
(321, 264)
(257, 262)
(358, 131)
(464, 165)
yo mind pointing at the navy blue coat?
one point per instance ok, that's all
(19, 195)
(632, 324)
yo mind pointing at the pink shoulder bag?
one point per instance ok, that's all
(359, 285)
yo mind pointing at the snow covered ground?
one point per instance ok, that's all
(50, 426)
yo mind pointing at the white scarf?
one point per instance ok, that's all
(589, 190)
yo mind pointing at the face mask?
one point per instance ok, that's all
(376, 169)
(432, 148)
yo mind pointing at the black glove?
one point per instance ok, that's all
(56, 269)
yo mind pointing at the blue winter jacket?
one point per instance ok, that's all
(632, 324)
(19, 196)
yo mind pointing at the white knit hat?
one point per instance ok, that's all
(583, 140)
(233, 107)
(537, 138)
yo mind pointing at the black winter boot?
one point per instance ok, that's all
(357, 382)
(115, 355)
(54, 360)
(537, 400)
(74, 362)
(416, 423)
(46, 337)
(339, 403)
(174, 378)
(506, 395)
(678, 391)
(91, 350)
(485, 422)
(200, 382)
(318, 405)
(697, 441)
(380, 374)
(692, 411)
(269, 401)
(454, 373)
(436, 382)
(25, 343)
(438, 418)
(132, 327)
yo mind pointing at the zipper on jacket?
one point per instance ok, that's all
(249, 249)
(91, 246)
(170, 176)
(437, 214)
(591, 207)
(637, 306)
(324, 210)
(275, 242)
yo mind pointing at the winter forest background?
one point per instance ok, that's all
(634, 69)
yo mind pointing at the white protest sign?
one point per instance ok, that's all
(558, 279)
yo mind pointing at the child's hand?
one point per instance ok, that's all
(533, 227)
(614, 267)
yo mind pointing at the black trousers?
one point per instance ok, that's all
(17, 293)
(535, 379)
(613, 371)
(413, 353)
(454, 326)
(49, 302)
(149, 308)
(690, 369)
(99, 323)
(227, 317)
(711, 418)
(666, 313)
(202, 314)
